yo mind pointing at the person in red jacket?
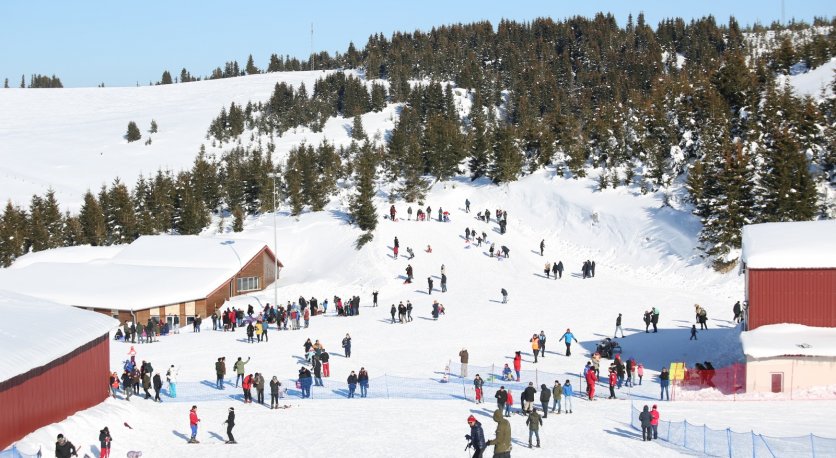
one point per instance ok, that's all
(517, 364)
(590, 384)
(247, 385)
(509, 402)
(613, 380)
(193, 421)
(654, 422)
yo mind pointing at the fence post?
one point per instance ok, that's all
(493, 371)
(464, 390)
(812, 445)
(754, 455)
(685, 434)
(386, 382)
(728, 436)
(704, 438)
(536, 377)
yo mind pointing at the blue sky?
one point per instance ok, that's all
(121, 43)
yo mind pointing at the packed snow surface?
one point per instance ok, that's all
(789, 339)
(799, 245)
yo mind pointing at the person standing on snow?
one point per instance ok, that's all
(467, 205)
(590, 383)
(568, 337)
(476, 437)
(501, 398)
(392, 212)
(528, 397)
(408, 311)
(654, 318)
(347, 345)
(557, 395)
(239, 370)
(613, 379)
(644, 419)
(664, 381)
(542, 246)
(104, 442)
(230, 423)
(542, 338)
(545, 397)
(693, 332)
(568, 393)
(429, 285)
(275, 385)
(547, 269)
(392, 312)
(193, 421)
(504, 293)
(654, 422)
(352, 384)
(477, 385)
(443, 283)
(363, 381)
(618, 327)
(534, 421)
(158, 387)
(517, 364)
(464, 358)
(502, 442)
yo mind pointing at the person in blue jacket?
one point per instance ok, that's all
(568, 337)
(568, 394)
(476, 437)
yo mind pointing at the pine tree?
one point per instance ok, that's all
(162, 192)
(787, 189)
(443, 146)
(237, 219)
(52, 220)
(190, 215)
(12, 234)
(153, 129)
(6, 83)
(478, 144)
(119, 214)
(133, 132)
(92, 220)
(506, 160)
(357, 132)
(72, 234)
(141, 197)
(293, 181)
(363, 211)
(251, 69)
(166, 78)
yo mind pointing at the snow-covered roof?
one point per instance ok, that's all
(789, 340)
(796, 245)
(152, 271)
(26, 347)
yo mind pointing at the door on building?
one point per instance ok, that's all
(777, 382)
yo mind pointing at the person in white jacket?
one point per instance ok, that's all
(171, 378)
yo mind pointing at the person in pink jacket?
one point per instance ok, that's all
(640, 372)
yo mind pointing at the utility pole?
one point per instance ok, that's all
(275, 176)
(312, 51)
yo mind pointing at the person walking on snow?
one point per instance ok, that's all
(467, 206)
(568, 337)
(392, 212)
(193, 421)
(443, 283)
(476, 437)
(693, 332)
(542, 246)
(547, 270)
(502, 442)
(501, 398)
(392, 312)
(535, 346)
(429, 285)
(618, 327)
(230, 423)
(504, 293)
(534, 421)
(528, 397)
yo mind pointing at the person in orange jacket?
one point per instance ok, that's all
(535, 346)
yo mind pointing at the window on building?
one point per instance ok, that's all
(777, 382)
(248, 284)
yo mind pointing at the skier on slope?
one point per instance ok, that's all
(476, 437)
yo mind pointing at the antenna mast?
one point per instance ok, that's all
(312, 51)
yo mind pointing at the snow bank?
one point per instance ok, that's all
(789, 339)
(795, 245)
(26, 347)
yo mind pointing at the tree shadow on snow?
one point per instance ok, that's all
(341, 215)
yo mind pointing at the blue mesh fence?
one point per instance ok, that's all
(14, 452)
(725, 442)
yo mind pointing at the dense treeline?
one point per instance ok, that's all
(582, 96)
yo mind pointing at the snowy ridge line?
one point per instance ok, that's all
(725, 442)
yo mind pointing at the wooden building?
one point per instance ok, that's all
(155, 277)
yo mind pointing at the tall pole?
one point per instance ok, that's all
(275, 249)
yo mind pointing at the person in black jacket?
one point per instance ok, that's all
(230, 423)
(645, 418)
(528, 397)
(158, 386)
(545, 397)
(104, 442)
(430, 285)
(476, 437)
(352, 384)
(363, 381)
(501, 398)
(64, 448)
